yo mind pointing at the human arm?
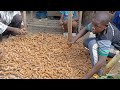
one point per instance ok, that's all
(103, 51)
(98, 65)
(81, 33)
(61, 17)
(4, 27)
(77, 16)
(17, 30)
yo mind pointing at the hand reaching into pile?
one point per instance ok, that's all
(22, 31)
(69, 43)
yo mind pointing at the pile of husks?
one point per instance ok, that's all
(42, 56)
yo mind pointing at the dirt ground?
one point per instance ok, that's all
(42, 56)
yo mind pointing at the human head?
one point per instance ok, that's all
(100, 21)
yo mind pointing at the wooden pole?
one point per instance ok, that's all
(24, 19)
(80, 20)
(111, 64)
(69, 25)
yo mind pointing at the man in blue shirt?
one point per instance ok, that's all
(64, 22)
(105, 44)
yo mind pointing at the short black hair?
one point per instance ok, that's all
(102, 17)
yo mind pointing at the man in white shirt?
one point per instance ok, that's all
(11, 23)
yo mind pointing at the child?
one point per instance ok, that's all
(64, 22)
(105, 44)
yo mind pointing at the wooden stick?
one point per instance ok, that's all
(111, 64)
(80, 20)
(69, 25)
(24, 19)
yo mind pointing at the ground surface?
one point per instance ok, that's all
(40, 56)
